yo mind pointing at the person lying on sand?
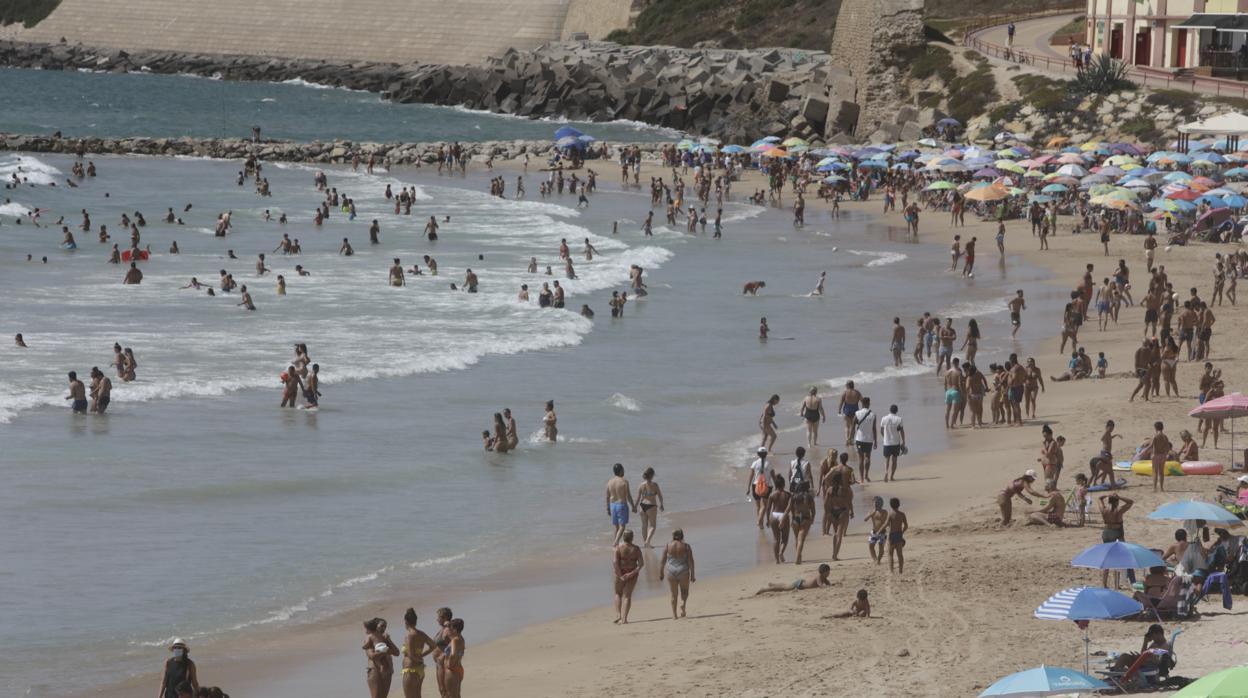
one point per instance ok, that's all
(860, 608)
(811, 582)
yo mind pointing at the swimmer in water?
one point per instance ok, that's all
(396, 274)
(345, 249)
(246, 302)
(19, 342)
(823, 277)
(763, 329)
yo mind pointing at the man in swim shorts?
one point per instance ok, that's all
(848, 407)
(619, 501)
(1017, 305)
(897, 527)
(953, 393)
(878, 520)
(77, 393)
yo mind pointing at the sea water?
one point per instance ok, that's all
(198, 508)
(80, 104)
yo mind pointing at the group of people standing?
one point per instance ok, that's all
(445, 650)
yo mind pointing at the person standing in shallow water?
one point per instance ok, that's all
(650, 502)
(619, 501)
(551, 422)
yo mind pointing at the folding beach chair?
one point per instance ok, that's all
(1138, 677)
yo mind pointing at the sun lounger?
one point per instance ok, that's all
(1145, 673)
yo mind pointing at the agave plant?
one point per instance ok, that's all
(1104, 75)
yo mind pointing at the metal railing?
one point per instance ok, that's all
(1143, 75)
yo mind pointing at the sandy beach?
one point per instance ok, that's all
(966, 599)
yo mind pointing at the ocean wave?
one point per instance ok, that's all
(880, 258)
(28, 169)
(865, 377)
(624, 402)
(14, 209)
(662, 132)
(963, 309)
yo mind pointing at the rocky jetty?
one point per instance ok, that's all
(391, 154)
(733, 95)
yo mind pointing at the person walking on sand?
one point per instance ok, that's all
(416, 646)
(380, 650)
(619, 501)
(865, 438)
(897, 527)
(838, 502)
(1113, 508)
(179, 670)
(627, 567)
(1005, 500)
(878, 521)
(893, 438)
(1017, 305)
(650, 502)
(812, 412)
(767, 422)
(801, 513)
(848, 407)
(1159, 448)
(759, 484)
(676, 566)
(778, 518)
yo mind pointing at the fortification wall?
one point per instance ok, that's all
(873, 41)
(401, 31)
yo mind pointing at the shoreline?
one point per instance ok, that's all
(319, 643)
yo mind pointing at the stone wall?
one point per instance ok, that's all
(428, 31)
(596, 18)
(873, 42)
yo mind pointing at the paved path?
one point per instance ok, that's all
(1032, 35)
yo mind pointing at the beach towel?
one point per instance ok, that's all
(1187, 597)
(1223, 584)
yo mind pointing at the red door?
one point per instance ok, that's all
(1115, 42)
(1180, 49)
(1144, 47)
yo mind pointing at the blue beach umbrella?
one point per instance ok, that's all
(565, 131)
(1083, 604)
(569, 142)
(1042, 199)
(1194, 509)
(1054, 189)
(833, 179)
(1117, 556)
(733, 149)
(1177, 177)
(1044, 681)
(1212, 201)
(1235, 201)
(873, 164)
(1237, 172)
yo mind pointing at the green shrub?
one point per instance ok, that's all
(970, 94)
(1173, 99)
(1142, 128)
(1003, 112)
(28, 12)
(1104, 76)
(1238, 103)
(933, 61)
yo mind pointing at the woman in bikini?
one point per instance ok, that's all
(777, 517)
(676, 566)
(119, 360)
(415, 647)
(801, 511)
(825, 467)
(839, 492)
(131, 366)
(1032, 387)
(650, 502)
(1113, 507)
(971, 343)
(454, 659)
(442, 643)
(501, 443)
(1005, 500)
(380, 650)
(628, 564)
(1169, 366)
(767, 422)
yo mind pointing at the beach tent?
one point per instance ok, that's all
(1232, 124)
(567, 131)
(1045, 681)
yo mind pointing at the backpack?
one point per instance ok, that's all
(761, 486)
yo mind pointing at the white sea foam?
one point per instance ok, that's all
(976, 308)
(28, 169)
(624, 402)
(865, 377)
(879, 258)
(14, 209)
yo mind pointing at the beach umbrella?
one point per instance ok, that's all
(989, 193)
(833, 179)
(767, 139)
(1192, 509)
(1072, 170)
(1117, 556)
(1127, 167)
(733, 149)
(794, 140)
(1033, 174)
(1225, 407)
(1170, 205)
(940, 185)
(1119, 160)
(1042, 199)
(1183, 195)
(873, 165)
(1235, 201)
(1212, 201)
(953, 153)
(773, 152)
(568, 142)
(1082, 604)
(565, 131)
(953, 167)
(1110, 171)
(987, 172)
(949, 122)
(1044, 681)
(929, 142)
(1228, 683)
(1137, 183)
(1054, 189)
(1120, 204)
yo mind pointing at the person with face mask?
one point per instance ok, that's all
(179, 669)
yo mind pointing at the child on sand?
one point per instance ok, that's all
(897, 527)
(860, 608)
(1081, 499)
(811, 582)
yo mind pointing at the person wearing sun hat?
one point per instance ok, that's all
(1005, 500)
(179, 670)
